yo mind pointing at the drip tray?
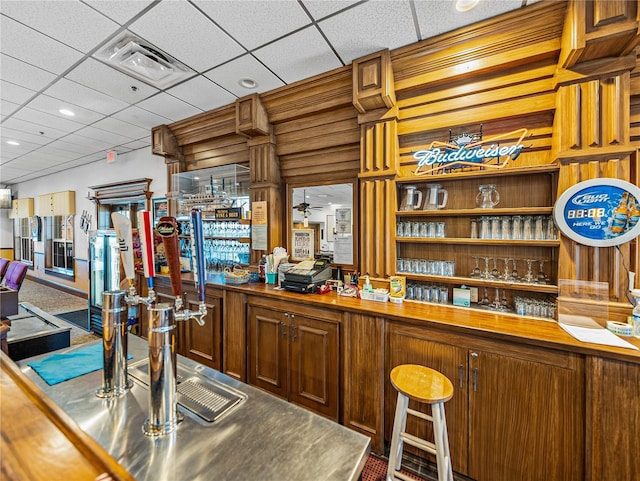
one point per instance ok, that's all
(206, 398)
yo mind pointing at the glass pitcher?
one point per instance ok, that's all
(436, 197)
(411, 199)
(488, 197)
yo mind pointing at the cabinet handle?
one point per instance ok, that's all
(475, 379)
(474, 355)
(283, 331)
(461, 372)
(293, 332)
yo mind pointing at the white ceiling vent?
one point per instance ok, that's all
(140, 59)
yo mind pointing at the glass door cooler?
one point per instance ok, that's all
(104, 273)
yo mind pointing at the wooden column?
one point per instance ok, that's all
(164, 143)
(591, 134)
(374, 98)
(252, 122)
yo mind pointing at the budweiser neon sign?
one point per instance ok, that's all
(468, 151)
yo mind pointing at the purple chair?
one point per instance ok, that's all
(4, 263)
(16, 272)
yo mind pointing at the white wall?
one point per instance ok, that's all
(133, 165)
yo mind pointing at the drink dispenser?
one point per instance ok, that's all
(411, 198)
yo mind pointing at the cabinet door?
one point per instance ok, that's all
(526, 416)
(268, 340)
(203, 343)
(234, 335)
(64, 203)
(45, 205)
(314, 364)
(409, 345)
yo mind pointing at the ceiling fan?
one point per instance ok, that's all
(305, 208)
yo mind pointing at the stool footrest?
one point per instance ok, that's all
(419, 443)
(418, 414)
(404, 477)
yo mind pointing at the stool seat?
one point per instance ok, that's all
(427, 386)
(421, 383)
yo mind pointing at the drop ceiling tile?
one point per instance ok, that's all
(202, 93)
(450, 19)
(321, 8)
(24, 147)
(34, 129)
(7, 108)
(86, 97)
(229, 74)
(12, 173)
(142, 118)
(62, 144)
(103, 136)
(50, 105)
(119, 10)
(34, 48)
(92, 145)
(98, 76)
(202, 47)
(56, 155)
(35, 161)
(168, 106)
(7, 134)
(119, 127)
(15, 93)
(370, 27)
(292, 63)
(44, 119)
(269, 19)
(23, 74)
(137, 144)
(54, 19)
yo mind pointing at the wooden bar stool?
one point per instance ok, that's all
(427, 386)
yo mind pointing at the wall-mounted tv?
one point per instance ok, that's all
(5, 198)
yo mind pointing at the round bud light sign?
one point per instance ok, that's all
(599, 212)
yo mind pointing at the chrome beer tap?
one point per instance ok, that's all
(163, 406)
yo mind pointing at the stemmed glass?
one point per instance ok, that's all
(495, 272)
(485, 298)
(496, 301)
(476, 268)
(486, 274)
(529, 277)
(506, 275)
(514, 273)
(542, 277)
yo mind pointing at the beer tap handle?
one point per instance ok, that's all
(168, 229)
(148, 251)
(197, 253)
(122, 226)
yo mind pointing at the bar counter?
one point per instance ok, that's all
(261, 438)
(478, 322)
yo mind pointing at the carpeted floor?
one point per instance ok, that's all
(375, 469)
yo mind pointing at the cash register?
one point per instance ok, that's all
(307, 275)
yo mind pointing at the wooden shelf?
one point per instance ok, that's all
(470, 281)
(539, 169)
(476, 212)
(469, 241)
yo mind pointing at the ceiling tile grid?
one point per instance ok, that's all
(47, 62)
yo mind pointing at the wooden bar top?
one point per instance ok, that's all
(40, 442)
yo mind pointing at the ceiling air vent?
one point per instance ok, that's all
(138, 58)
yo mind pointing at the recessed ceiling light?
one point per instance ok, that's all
(248, 83)
(12, 142)
(465, 5)
(66, 112)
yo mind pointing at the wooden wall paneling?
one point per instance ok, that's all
(377, 231)
(342, 162)
(234, 335)
(364, 378)
(379, 149)
(612, 419)
(230, 149)
(599, 29)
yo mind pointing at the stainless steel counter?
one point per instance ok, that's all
(263, 438)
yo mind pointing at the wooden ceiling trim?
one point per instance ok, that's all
(310, 121)
(531, 25)
(541, 70)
